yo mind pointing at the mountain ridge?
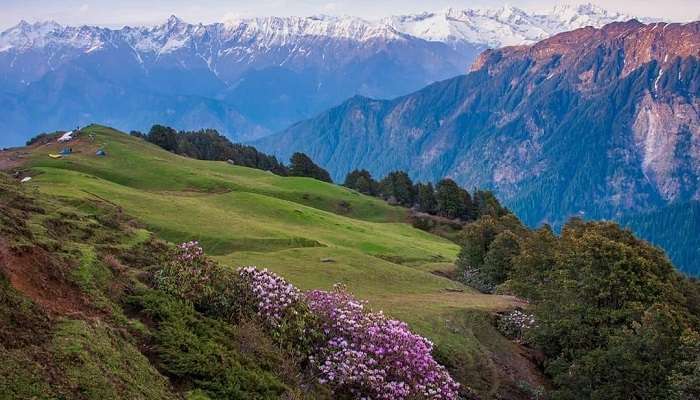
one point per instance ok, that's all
(593, 122)
(558, 19)
(209, 75)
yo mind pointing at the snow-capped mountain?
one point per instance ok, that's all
(273, 40)
(505, 26)
(499, 27)
(248, 76)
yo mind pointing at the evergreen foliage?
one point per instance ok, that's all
(676, 228)
(302, 165)
(452, 201)
(486, 203)
(612, 315)
(208, 144)
(425, 198)
(446, 200)
(362, 181)
(397, 188)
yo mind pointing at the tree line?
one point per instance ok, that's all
(611, 314)
(209, 144)
(446, 199)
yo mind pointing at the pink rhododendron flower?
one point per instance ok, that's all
(372, 356)
(272, 293)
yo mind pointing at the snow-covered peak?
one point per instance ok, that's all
(497, 27)
(568, 12)
(24, 31)
(489, 27)
(255, 33)
(283, 30)
(502, 26)
(25, 36)
(567, 17)
(173, 21)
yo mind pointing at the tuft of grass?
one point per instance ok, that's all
(23, 330)
(22, 377)
(100, 364)
(91, 274)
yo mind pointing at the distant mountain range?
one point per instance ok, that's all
(246, 77)
(602, 123)
(505, 26)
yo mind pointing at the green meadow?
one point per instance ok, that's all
(313, 233)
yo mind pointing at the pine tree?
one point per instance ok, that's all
(451, 200)
(362, 181)
(426, 198)
(302, 165)
(398, 187)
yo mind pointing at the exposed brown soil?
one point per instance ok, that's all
(40, 277)
(11, 159)
(519, 365)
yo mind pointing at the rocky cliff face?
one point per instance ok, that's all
(595, 122)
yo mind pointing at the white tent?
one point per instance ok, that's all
(66, 137)
(25, 180)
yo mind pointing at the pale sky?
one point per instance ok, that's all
(149, 12)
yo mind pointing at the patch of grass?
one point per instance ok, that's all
(220, 361)
(91, 275)
(22, 377)
(23, 330)
(100, 364)
(231, 218)
(196, 395)
(135, 163)
(23, 323)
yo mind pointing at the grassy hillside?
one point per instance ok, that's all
(312, 233)
(81, 318)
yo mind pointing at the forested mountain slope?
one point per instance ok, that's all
(594, 122)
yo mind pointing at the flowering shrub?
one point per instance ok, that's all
(515, 324)
(282, 308)
(371, 356)
(189, 274)
(273, 295)
(356, 352)
(474, 278)
(190, 252)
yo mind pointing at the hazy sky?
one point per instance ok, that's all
(138, 12)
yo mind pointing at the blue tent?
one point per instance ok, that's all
(100, 153)
(66, 151)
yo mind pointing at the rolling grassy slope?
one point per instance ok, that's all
(314, 234)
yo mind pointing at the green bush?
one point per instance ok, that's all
(221, 360)
(100, 364)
